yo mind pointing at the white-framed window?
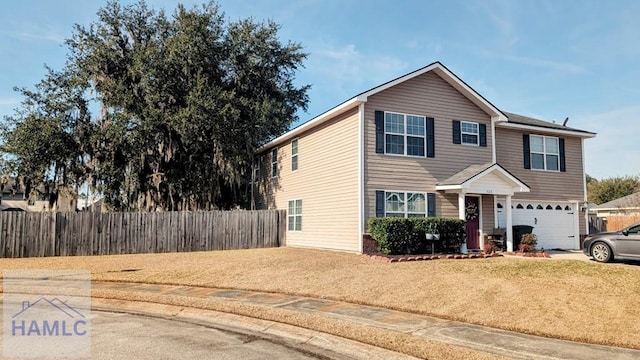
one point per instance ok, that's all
(405, 204)
(469, 133)
(404, 134)
(274, 162)
(294, 154)
(294, 216)
(545, 152)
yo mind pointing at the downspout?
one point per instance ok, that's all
(360, 176)
(494, 158)
(585, 198)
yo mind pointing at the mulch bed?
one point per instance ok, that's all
(402, 258)
(539, 254)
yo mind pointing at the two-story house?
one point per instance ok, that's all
(424, 144)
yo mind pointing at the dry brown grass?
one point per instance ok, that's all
(565, 299)
(387, 339)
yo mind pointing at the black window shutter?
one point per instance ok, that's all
(526, 151)
(431, 146)
(483, 135)
(379, 203)
(379, 132)
(431, 204)
(456, 132)
(563, 164)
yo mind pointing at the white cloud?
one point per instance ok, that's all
(547, 64)
(499, 14)
(34, 32)
(347, 65)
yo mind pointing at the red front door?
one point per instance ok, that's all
(472, 213)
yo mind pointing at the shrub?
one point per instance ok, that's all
(528, 242)
(525, 248)
(396, 236)
(489, 247)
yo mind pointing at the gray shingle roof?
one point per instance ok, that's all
(466, 174)
(625, 202)
(525, 120)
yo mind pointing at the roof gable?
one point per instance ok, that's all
(473, 174)
(451, 78)
(437, 67)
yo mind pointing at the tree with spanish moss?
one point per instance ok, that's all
(181, 101)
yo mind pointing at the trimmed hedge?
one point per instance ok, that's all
(406, 236)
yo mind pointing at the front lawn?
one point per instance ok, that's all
(567, 299)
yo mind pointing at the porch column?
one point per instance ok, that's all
(462, 214)
(509, 224)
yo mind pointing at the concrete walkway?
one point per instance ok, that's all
(500, 342)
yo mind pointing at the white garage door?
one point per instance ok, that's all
(553, 222)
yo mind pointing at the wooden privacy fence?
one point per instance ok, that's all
(63, 234)
(619, 222)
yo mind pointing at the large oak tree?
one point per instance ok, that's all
(181, 102)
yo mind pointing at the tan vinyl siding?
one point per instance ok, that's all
(430, 96)
(326, 181)
(545, 185)
(447, 205)
(488, 218)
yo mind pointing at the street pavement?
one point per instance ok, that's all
(139, 330)
(121, 336)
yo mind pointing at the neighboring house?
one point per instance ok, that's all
(619, 213)
(13, 197)
(91, 205)
(424, 144)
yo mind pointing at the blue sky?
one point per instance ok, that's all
(545, 59)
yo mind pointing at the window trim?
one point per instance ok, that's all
(294, 155)
(297, 217)
(544, 152)
(274, 162)
(476, 134)
(405, 135)
(406, 202)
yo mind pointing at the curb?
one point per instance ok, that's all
(321, 345)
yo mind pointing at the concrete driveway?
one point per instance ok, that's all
(568, 255)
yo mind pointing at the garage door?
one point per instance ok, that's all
(553, 222)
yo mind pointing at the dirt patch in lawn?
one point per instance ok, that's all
(566, 299)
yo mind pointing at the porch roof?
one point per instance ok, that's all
(489, 178)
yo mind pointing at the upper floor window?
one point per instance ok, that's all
(274, 162)
(545, 152)
(294, 154)
(470, 133)
(404, 134)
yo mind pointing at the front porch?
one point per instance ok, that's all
(478, 189)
